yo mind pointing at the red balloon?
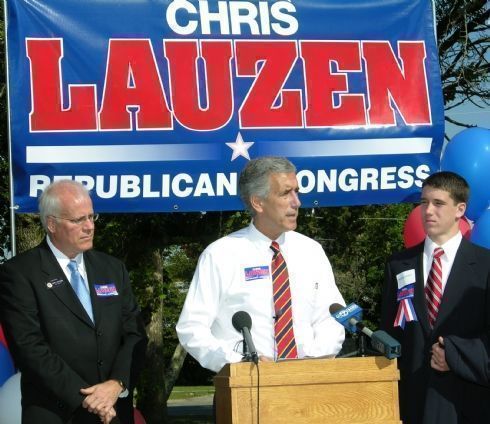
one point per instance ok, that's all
(138, 417)
(414, 233)
(2, 338)
(465, 227)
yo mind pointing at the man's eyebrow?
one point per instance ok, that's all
(289, 188)
(424, 199)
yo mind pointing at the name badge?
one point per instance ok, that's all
(257, 273)
(55, 282)
(105, 290)
(405, 278)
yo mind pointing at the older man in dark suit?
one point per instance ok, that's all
(436, 302)
(73, 325)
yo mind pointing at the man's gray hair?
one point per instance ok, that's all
(49, 201)
(254, 178)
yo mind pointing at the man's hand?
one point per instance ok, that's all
(438, 358)
(101, 398)
(265, 359)
(107, 418)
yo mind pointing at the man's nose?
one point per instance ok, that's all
(88, 225)
(295, 202)
(428, 209)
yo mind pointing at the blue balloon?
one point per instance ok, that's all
(6, 365)
(468, 154)
(480, 234)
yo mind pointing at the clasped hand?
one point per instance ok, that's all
(101, 398)
(438, 356)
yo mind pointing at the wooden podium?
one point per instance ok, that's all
(327, 391)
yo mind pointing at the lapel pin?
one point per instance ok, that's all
(54, 282)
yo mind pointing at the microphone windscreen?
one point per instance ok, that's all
(240, 320)
(335, 307)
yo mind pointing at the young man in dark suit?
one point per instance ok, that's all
(436, 302)
(71, 320)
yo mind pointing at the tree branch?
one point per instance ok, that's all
(459, 124)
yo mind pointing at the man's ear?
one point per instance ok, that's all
(257, 203)
(460, 209)
(51, 224)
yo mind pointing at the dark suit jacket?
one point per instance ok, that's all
(461, 395)
(53, 341)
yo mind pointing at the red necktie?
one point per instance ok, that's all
(283, 327)
(433, 288)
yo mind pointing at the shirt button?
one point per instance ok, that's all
(99, 333)
(100, 363)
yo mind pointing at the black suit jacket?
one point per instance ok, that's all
(55, 344)
(461, 395)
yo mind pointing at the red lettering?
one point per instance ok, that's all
(200, 79)
(48, 111)
(267, 104)
(323, 84)
(183, 61)
(390, 84)
(133, 80)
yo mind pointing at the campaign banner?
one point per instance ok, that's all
(157, 105)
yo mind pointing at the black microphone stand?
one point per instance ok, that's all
(247, 357)
(362, 348)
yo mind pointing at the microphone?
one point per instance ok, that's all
(243, 324)
(351, 318)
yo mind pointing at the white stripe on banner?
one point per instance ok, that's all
(359, 147)
(122, 153)
(212, 151)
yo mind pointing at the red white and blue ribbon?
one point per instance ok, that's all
(406, 311)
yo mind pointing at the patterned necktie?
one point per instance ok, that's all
(80, 288)
(433, 288)
(283, 327)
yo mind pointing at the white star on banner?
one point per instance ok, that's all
(240, 147)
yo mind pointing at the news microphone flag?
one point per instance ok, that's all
(344, 315)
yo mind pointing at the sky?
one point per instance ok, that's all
(468, 114)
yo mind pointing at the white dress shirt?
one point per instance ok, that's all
(233, 274)
(447, 259)
(64, 260)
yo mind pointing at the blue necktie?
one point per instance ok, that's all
(80, 288)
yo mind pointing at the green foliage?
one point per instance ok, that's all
(180, 261)
(186, 392)
(358, 240)
(234, 221)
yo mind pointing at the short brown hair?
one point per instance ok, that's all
(454, 184)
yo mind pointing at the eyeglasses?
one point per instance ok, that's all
(79, 221)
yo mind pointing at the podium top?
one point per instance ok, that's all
(308, 371)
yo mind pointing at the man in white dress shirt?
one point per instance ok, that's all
(234, 274)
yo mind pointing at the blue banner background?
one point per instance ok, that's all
(86, 27)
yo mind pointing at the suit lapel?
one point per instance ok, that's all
(455, 282)
(420, 303)
(92, 276)
(58, 284)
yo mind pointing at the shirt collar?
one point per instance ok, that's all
(61, 257)
(262, 240)
(450, 247)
